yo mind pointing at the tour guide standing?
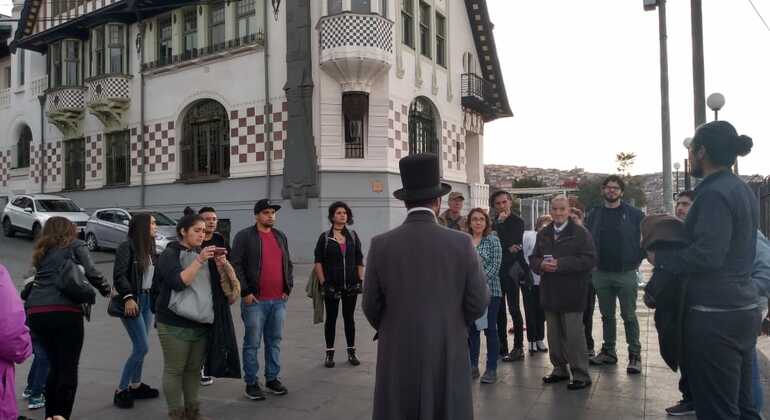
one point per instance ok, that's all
(615, 227)
(424, 285)
(263, 265)
(564, 256)
(722, 318)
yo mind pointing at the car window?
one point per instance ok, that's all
(26, 203)
(121, 217)
(17, 202)
(107, 216)
(160, 218)
(57, 206)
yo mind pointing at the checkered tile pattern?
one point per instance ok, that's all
(54, 162)
(66, 99)
(34, 163)
(247, 134)
(352, 30)
(107, 88)
(398, 130)
(94, 156)
(159, 147)
(5, 166)
(453, 145)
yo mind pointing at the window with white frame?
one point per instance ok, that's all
(74, 164)
(217, 26)
(407, 22)
(355, 110)
(118, 158)
(190, 32)
(98, 56)
(334, 7)
(165, 32)
(384, 8)
(425, 41)
(247, 18)
(23, 147)
(440, 40)
(360, 6)
(117, 48)
(65, 63)
(71, 62)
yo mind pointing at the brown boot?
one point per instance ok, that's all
(176, 414)
(193, 412)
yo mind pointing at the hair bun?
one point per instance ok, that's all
(743, 145)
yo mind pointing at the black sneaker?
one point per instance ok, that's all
(605, 357)
(123, 399)
(143, 392)
(682, 408)
(276, 387)
(254, 392)
(514, 356)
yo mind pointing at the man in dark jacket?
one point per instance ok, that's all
(564, 256)
(263, 266)
(722, 314)
(615, 230)
(510, 230)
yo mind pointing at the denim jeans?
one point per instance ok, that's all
(493, 342)
(38, 372)
(138, 329)
(262, 319)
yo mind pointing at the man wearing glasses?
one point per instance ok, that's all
(615, 227)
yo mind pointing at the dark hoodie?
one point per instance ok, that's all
(168, 278)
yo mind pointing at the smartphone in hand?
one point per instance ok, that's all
(219, 251)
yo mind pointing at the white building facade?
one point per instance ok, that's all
(164, 104)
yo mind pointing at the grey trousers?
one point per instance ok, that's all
(567, 344)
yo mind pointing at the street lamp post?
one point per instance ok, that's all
(687, 142)
(665, 118)
(676, 168)
(715, 102)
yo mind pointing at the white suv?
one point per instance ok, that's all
(28, 213)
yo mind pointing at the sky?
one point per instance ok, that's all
(583, 81)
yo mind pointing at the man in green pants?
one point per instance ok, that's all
(616, 233)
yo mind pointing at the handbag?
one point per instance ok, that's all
(73, 284)
(190, 303)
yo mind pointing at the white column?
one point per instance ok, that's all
(204, 11)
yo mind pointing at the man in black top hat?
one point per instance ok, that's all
(424, 286)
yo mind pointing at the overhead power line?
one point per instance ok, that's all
(764, 22)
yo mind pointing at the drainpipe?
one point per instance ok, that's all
(142, 170)
(268, 107)
(42, 99)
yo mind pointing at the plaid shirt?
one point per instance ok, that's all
(491, 253)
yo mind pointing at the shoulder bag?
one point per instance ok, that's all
(73, 284)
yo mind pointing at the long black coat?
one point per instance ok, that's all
(423, 286)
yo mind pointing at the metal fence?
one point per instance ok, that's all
(762, 189)
(532, 208)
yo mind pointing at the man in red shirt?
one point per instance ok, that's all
(261, 260)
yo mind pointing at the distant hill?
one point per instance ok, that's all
(503, 176)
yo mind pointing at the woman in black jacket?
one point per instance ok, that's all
(339, 266)
(54, 317)
(132, 278)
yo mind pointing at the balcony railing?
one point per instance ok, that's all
(477, 93)
(5, 98)
(480, 196)
(211, 51)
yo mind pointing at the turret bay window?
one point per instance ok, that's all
(407, 22)
(190, 33)
(355, 107)
(205, 141)
(74, 164)
(108, 50)
(422, 127)
(65, 63)
(247, 18)
(117, 55)
(425, 40)
(164, 40)
(23, 147)
(217, 26)
(118, 158)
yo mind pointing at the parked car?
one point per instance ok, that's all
(107, 228)
(28, 213)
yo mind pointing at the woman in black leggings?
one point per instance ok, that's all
(339, 266)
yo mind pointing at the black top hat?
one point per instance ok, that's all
(420, 178)
(265, 204)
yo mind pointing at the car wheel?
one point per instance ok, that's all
(36, 231)
(91, 242)
(8, 228)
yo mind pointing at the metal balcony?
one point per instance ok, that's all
(477, 94)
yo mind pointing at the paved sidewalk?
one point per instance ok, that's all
(345, 393)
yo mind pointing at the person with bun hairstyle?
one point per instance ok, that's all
(722, 316)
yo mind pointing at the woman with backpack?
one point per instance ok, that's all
(132, 276)
(57, 303)
(339, 266)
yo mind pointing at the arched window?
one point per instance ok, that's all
(205, 142)
(422, 127)
(23, 147)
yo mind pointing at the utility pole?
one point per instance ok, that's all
(698, 85)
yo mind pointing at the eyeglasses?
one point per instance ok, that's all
(612, 188)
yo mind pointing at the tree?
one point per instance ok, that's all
(528, 182)
(625, 162)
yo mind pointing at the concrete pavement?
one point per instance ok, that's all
(345, 392)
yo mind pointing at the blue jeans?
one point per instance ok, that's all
(38, 373)
(493, 342)
(138, 329)
(262, 319)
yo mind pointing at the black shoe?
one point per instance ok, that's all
(329, 362)
(352, 357)
(682, 408)
(276, 387)
(552, 379)
(514, 356)
(123, 399)
(143, 392)
(578, 384)
(605, 357)
(254, 392)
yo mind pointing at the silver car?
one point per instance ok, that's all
(108, 228)
(28, 213)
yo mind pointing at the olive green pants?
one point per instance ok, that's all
(183, 351)
(622, 288)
